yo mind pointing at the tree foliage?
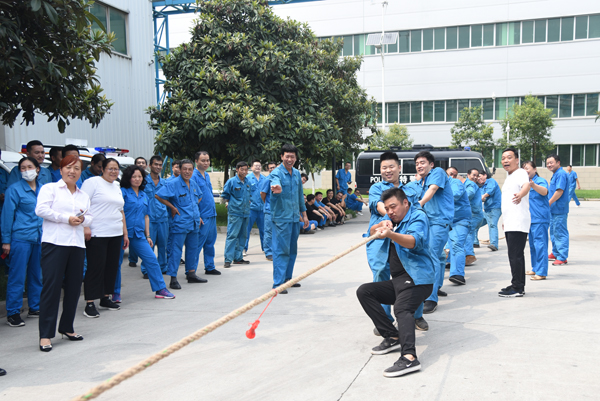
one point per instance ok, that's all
(47, 61)
(530, 126)
(248, 81)
(471, 130)
(396, 135)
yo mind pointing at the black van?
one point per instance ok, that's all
(367, 164)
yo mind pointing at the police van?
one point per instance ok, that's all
(368, 173)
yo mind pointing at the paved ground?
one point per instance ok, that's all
(313, 344)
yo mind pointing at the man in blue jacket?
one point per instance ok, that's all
(413, 274)
(157, 213)
(461, 226)
(342, 179)
(237, 194)
(36, 150)
(265, 195)
(474, 194)
(559, 210)
(491, 195)
(573, 184)
(257, 205)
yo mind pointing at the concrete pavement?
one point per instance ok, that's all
(314, 343)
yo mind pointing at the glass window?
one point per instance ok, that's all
(404, 112)
(566, 32)
(591, 104)
(376, 166)
(348, 46)
(415, 40)
(590, 155)
(540, 30)
(452, 38)
(552, 104)
(370, 50)
(554, 30)
(488, 109)
(514, 33)
(427, 39)
(565, 106)
(392, 48)
(488, 35)
(510, 102)
(475, 102)
(564, 152)
(501, 34)
(451, 106)
(577, 155)
(498, 158)
(594, 26)
(440, 110)
(118, 25)
(427, 112)
(415, 112)
(581, 27)
(392, 113)
(527, 32)
(476, 35)
(541, 99)
(578, 105)
(365, 166)
(440, 38)
(462, 104)
(99, 11)
(464, 37)
(408, 166)
(500, 108)
(359, 45)
(404, 37)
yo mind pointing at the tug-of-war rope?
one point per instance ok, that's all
(134, 370)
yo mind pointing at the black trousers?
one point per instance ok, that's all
(60, 264)
(515, 242)
(103, 266)
(406, 297)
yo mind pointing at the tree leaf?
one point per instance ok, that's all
(36, 5)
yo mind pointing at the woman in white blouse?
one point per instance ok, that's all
(65, 210)
(104, 237)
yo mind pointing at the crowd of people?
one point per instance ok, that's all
(64, 226)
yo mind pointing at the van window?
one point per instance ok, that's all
(464, 165)
(443, 164)
(408, 166)
(376, 167)
(365, 166)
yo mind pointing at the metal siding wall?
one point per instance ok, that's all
(128, 82)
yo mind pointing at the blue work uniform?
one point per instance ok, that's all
(572, 186)
(343, 177)
(286, 208)
(159, 222)
(237, 193)
(440, 212)
(474, 194)
(461, 226)
(22, 229)
(559, 210)
(492, 210)
(207, 235)
(86, 174)
(44, 177)
(257, 213)
(353, 203)
(3, 184)
(185, 225)
(265, 187)
(136, 208)
(378, 250)
(539, 209)
(56, 175)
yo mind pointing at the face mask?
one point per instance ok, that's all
(29, 175)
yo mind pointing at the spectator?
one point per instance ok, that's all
(353, 203)
(237, 194)
(287, 208)
(517, 220)
(332, 202)
(313, 213)
(325, 210)
(3, 184)
(461, 226)
(66, 211)
(157, 214)
(343, 179)
(341, 200)
(54, 168)
(257, 206)
(474, 194)
(176, 168)
(142, 162)
(105, 237)
(573, 183)
(265, 194)
(21, 241)
(136, 210)
(304, 178)
(74, 151)
(182, 196)
(95, 167)
(559, 209)
(36, 150)
(207, 235)
(539, 209)
(492, 210)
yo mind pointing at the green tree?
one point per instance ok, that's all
(471, 130)
(249, 81)
(47, 61)
(529, 129)
(396, 135)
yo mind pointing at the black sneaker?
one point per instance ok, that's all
(387, 345)
(145, 276)
(493, 248)
(297, 285)
(33, 313)
(270, 258)
(15, 320)
(460, 280)
(402, 366)
(284, 292)
(106, 303)
(447, 266)
(227, 265)
(174, 285)
(193, 278)
(429, 306)
(182, 262)
(442, 293)
(213, 272)
(90, 310)
(131, 264)
(510, 292)
(475, 245)
(421, 324)
(241, 262)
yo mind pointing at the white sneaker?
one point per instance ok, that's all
(359, 213)
(245, 253)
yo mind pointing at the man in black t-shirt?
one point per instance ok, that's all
(312, 212)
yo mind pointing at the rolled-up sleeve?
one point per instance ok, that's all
(418, 229)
